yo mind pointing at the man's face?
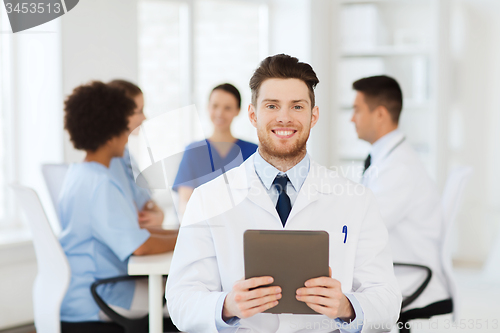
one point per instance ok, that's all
(364, 119)
(283, 117)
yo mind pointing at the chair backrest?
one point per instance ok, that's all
(54, 271)
(452, 200)
(54, 177)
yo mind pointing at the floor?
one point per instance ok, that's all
(23, 329)
(479, 306)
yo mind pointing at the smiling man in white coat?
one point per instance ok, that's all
(409, 201)
(281, 188)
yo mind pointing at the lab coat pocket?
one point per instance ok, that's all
(340, 259)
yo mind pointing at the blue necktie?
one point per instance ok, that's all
(368, 162)
(283, 206)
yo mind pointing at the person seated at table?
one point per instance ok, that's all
(205, 160)
(122, 167)
(100, 228)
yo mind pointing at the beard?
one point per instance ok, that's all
(269, 147)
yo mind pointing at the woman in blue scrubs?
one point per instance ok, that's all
(207, 159)
(150, 214)
(99, 221)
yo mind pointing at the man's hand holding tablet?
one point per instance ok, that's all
(324, 295)
(247, 299)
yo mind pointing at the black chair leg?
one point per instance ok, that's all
(168, 326)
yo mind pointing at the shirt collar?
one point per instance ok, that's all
(385, 143)
(267, 173)
(126, 153)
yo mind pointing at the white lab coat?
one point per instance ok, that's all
(208, 258)
(411, 208)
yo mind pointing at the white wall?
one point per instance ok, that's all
(99, 42)
(17, 274)
(289, 25)
(474, 122)
(323, 22)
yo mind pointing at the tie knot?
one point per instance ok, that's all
(280, 182)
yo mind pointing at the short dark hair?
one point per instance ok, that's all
(131, 89)
(382, 90)
(228, 87)
(95, 113)
(282, 66)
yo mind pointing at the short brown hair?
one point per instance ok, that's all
(382, 90)
(131, 89)
(282, 66)
(95, 113)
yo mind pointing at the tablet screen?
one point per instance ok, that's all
(291, 257)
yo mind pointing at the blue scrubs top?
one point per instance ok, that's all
(99, 233)
(201, 162)
(121, 170)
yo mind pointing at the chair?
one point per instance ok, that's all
(54, 272)
(451, 201)
(54, 177)
(54, 275)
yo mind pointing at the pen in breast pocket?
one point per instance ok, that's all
(344, 231)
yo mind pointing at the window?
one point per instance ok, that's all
(161, 58)
(30, 114)
(188, 47)
(230, 40)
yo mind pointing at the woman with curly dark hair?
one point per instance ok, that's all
(100, 227)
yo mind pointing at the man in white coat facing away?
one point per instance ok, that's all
(409, 201)
(206, 290)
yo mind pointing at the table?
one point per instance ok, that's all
(155, 266)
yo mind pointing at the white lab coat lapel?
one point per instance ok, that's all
(245, 181)
(310, 190)
(376, 161)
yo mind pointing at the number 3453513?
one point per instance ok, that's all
(33, 8)
(472, 324)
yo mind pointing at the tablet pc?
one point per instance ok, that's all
(291, 258)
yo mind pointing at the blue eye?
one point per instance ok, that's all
(271, 106)
(298, 107)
